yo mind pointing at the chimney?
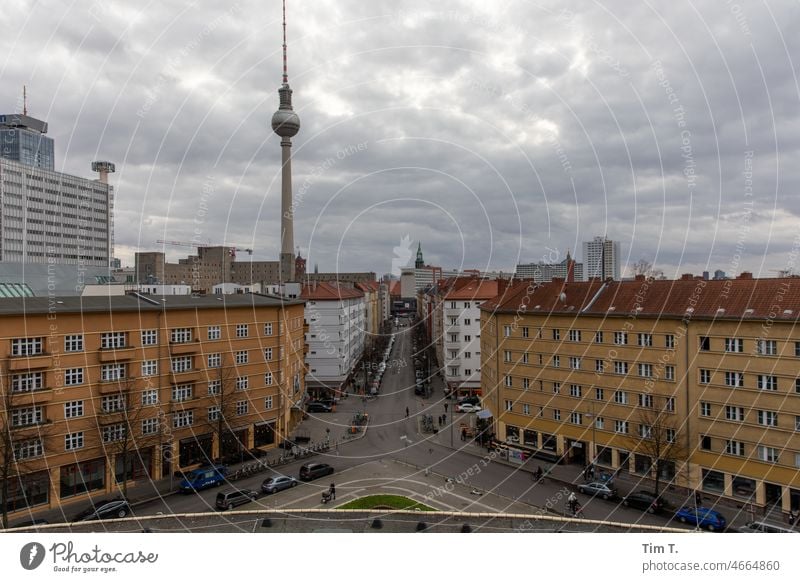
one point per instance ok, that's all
(687, 277)
(745, 275)
(639, 277)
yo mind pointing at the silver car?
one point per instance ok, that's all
(599, 489)
(279, 483)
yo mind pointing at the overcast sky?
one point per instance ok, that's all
(494, 132)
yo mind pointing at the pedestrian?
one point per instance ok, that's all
(698, 499)
(464, 433)
(406, 411)
(572, 502)
(793, 516)
(445, 407)
(538, 473)
(333, 491)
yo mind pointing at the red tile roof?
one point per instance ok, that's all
(368, 285)
(472, 288)
(394, 288)
(332, 290)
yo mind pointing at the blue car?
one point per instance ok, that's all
(703, 517)
(203, 479)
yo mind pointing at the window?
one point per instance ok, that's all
(669, 341)
(268, 379)
(214, 360)
(556, 334)
(574, 335)
(599, 365)
(182, 392)
(600, 423)
(241, 357)
(506, 331)
(214, 332)
(27, 346)
(526, 383)
(181, 364)
(73, 409)
(734, 379)
(705, 442)
(705, 409)
(645, 431)
(556, 361)
(598, 337)
(180, 335)
(506, 355)
(508, 381)
(576, 418)
(268, 403)
(150, 426)
(768, 454)
(620, 397)
(575, 390)
(575, 363)
(646, 370)
(669, 372)
(540, 360)
(767, 418)
(646, 400)
(797, 385)
(114, 433)
(183, 418)
(29, 449)
(149, 337)
(734, 413)
(467, 355)
(242, 382)
(27, 382)
(73, 441)
(556, 387)
(621, 426)
(645, 340)
(467, 338)
(214, 387)
(766, 382)
(112, 340)
(669, 404)
(242, 330)
(734, 448)
(268, 328)
(73, 376)
(26, 416)
(73, 343)
(149, 397)
(705, 343)
(113, 403)
(526, 409)
(766, 347)
(525, 332)
(112, 372)
(705, 376)
(599, 394)
(214, 413)
(670, 435)
(149, 367)
(620, 367)
(453, 305)
(620, 338)
(524, 357)
(556, 414)
(467, 322)
(733, 344)
(509, 406)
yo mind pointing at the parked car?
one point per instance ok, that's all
(765, 527)
(279, 483)
(107, 509)
(598, 489)
(233, 497)
(644, 500)
(702, 516)
(469, 400)
(311, 471)
(203, 478)
(318, 407)
(467, 407)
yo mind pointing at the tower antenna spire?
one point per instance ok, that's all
(25, 99)
(285, 71)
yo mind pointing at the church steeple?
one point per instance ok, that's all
(420, 262)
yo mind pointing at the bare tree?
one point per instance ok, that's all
(660, 440)
(645, 267)
(119, 423)
(223, 399)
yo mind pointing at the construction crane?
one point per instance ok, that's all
(180, 243)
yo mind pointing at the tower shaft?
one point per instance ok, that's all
(287, 213)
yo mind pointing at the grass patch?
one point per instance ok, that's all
(384, 502)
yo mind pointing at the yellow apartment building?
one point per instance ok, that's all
(696, 380)
(97, 391)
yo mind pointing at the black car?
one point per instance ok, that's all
(644, 500)
(469, 400)
(233, 497)
(108, 509)
(318, 407)
(311, 471)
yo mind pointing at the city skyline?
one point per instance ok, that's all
(633, 136)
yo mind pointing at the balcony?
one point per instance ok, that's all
(36, 362)
(116, 354)
(114, 386)
(190, 347)
(191, 375)
(32, 397)
(35, 427)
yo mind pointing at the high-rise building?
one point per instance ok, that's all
(567, 269)
(601, 259)
(22, 139)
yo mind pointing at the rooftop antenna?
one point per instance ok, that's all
(285, 72)
(24, 100)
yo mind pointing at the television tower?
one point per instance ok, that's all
(286, 124)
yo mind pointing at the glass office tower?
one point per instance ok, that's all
(22, 139)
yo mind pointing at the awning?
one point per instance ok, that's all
(483, 414)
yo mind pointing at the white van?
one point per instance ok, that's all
(765, 527)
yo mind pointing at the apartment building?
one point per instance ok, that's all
(696, 380)
(336, 318)
(97, 391)
(601, 259)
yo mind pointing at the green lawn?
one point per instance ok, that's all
(384, 501)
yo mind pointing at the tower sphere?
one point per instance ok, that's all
(285, 121)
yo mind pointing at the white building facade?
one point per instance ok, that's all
(601, 259)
